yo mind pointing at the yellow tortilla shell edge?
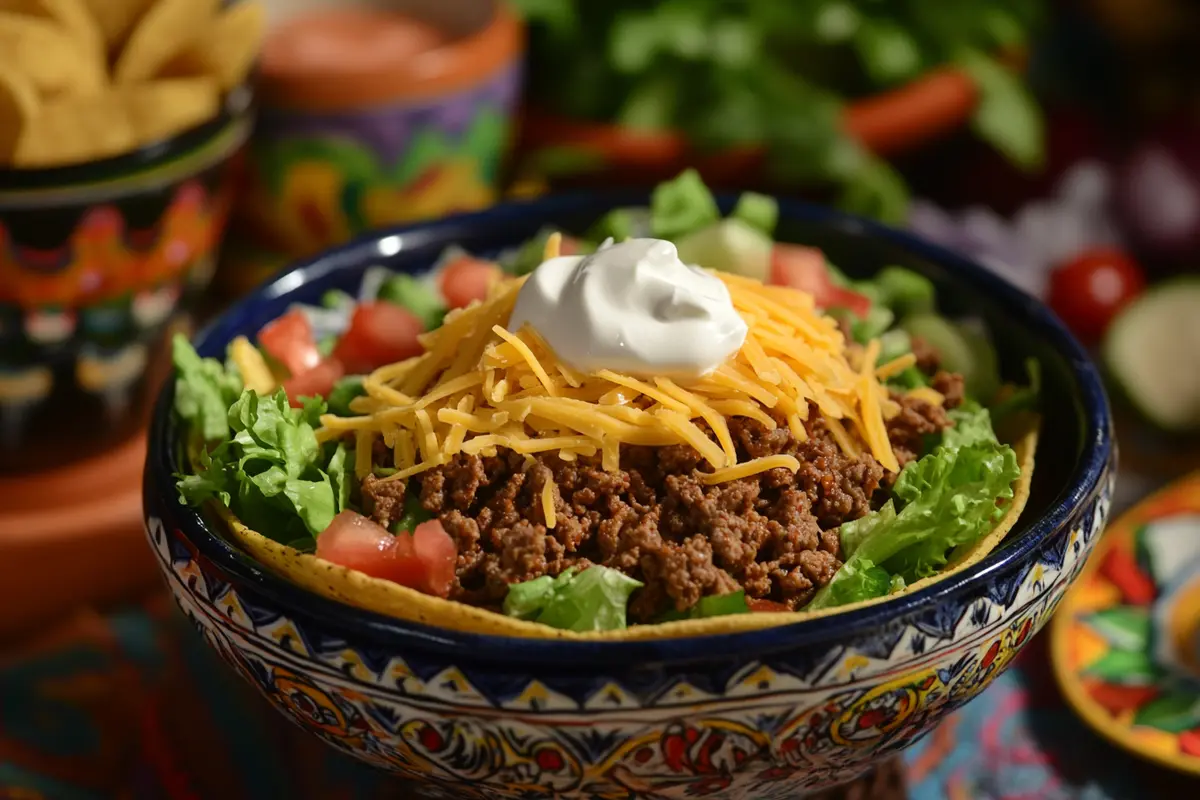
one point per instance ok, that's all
(384, 597)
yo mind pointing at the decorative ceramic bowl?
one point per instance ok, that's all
(94, 261)
(767, 714)
(370, 121)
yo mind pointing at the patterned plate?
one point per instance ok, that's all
(1126, 641)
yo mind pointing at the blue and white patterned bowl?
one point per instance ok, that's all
(766, 714)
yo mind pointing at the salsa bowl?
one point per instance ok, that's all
(769, 713)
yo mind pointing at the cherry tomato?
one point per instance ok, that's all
(804, 268)
(315, 382)
(1088, 291)
(289, 340)
(380, 333)
(468, 279)
(423, 559)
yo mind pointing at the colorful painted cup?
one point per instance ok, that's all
(394, 119)
(94, 261)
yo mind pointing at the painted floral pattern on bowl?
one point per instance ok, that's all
(1127, 640)
(319, 179)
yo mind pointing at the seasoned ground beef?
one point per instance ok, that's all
(773, 534)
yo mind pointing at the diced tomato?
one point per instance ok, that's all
(569, 246)
(316, 382)
(1119, 699)
(380, 333)
(423, 560)
(289, 340)
(468, 279)
(757, 604)
(804, 268)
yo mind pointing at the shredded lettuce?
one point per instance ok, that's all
(946, 500)
(204, 390)
(272, 472)
(593, 599)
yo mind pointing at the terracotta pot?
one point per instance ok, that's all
(887, 123)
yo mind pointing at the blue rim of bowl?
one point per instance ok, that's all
(236, 111)
(393, 634)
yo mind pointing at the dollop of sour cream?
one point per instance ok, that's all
(633, 308)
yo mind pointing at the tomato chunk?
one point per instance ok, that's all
(315, 382)
(289, 340)
(423, 560)
(467, 280)
(804, 268)
(380, 333)
(756, 604)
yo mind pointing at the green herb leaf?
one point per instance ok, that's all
(204, 388)
(594, 599)
(1007, 116)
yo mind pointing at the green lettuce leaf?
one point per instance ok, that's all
(204, 389)
(272, 472)
(945, 500)
(414, 514)
(714, 605)
(593, 599)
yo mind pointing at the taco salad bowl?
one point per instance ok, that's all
(770, 713)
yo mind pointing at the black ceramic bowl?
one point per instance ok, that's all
(764, 714)
(95, 258)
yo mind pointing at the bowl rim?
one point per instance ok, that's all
(236, 109)
(393, 634)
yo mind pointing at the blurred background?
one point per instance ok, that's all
(158, 158)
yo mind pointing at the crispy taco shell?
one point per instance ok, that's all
(384, 597)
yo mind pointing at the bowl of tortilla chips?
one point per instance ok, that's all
(756, 524)
(119, 126)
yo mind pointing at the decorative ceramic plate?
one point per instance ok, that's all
(1126, 640)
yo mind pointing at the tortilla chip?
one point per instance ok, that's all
(18, 104)
(167, 29)
(160, 109)
(72, 15)
(384, 597)
(46, 52)
(74, 129)
(227, 49)
(116, 19)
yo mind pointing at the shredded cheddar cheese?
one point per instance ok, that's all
(479, 387)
